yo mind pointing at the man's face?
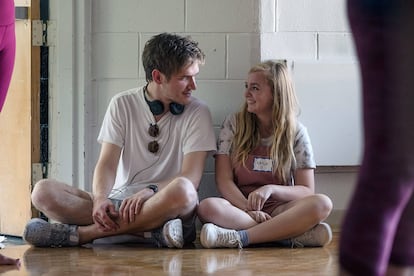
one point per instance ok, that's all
(180, 86)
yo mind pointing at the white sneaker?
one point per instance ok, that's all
(212, 236)
(171, 234)
(320, 235)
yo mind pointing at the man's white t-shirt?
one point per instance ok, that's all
(126, 125)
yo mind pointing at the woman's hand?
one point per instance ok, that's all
(257, 198)
(131, 206)
(104, 214)
(259, 216)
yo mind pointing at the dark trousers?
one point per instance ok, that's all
(379, 225)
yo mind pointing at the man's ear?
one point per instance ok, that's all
(157, 76)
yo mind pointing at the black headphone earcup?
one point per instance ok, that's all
(176, 108)
(156, 107)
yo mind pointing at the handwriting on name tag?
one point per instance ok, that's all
(262, 164)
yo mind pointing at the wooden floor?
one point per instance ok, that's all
(140, 260)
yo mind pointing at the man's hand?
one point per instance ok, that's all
(131, 206)
(104, 214)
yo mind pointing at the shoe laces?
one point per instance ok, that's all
(60, 234)
(296, 244)
(229, 238)
(299, 240)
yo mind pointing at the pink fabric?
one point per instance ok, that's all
(248, 180)
(7, 47)
(6, 12)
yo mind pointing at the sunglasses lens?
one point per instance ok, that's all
(153, 146)
(154, 130)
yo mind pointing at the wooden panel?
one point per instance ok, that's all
(35, 101)
(35, 73)
(15, 146)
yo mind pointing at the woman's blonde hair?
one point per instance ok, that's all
(285, 111)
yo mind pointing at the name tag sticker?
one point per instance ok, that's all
(262, 164)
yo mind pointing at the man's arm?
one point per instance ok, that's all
(105, 170)
(193, 167)
(103, 181)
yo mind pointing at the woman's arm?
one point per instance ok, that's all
(304, 185)
(225, 183)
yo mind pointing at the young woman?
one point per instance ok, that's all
(265, 171)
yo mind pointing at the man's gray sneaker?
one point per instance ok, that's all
(41, 233)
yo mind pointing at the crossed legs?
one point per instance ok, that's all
(289, 220)
(65, 204)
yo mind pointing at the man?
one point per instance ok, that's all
(155, 140)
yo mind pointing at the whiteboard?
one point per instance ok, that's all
(330, 100)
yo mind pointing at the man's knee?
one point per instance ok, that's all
(40, 194)
(184, 192)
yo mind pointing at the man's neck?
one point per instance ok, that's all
(149, 91)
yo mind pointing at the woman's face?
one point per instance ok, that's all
(258, 94)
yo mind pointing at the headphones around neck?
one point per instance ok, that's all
(157, 107)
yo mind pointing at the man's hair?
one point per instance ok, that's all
(169, 53)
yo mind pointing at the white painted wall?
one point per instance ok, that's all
(98, 49)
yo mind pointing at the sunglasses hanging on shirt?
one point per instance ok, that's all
(153, 131)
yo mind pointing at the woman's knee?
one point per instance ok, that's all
(322, 206)
(207, 209)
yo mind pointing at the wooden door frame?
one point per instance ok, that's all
(35, 101)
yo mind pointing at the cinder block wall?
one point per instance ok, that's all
(312, 35)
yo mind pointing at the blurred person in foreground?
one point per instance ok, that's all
(377, 233)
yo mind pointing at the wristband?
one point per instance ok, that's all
(153, 187)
